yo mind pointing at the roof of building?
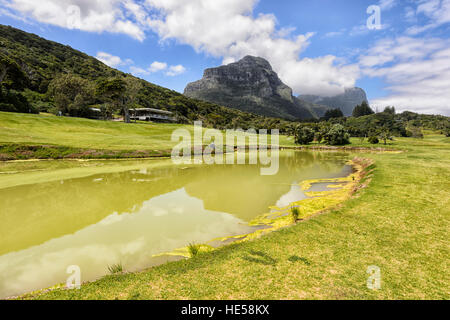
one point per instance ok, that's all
(152, 110)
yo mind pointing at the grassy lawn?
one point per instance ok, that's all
(84, 133)
(24, 136)
(400, 223)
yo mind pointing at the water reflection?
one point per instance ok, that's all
(129, 216)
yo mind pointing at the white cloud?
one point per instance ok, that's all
(436, 11)
(228, 29)
(387, 4)
(410, 14)
(138, 71)
(402, 48)
(157, 66)
(176, 70)
(335, 33)
(417, 72)
(111, 60)
(222, 28)
(88, 15)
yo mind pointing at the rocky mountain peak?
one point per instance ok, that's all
(251, 85)
(346, 101)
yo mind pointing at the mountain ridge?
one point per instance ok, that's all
(346, 101)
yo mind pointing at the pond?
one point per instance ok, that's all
(97, 214)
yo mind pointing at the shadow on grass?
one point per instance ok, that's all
(299, 259)
(260, 257)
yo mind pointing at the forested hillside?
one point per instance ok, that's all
(38, 75)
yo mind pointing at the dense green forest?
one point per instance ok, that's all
(37, 75)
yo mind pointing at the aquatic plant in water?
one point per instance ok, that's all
(194, 249)
(115, 268)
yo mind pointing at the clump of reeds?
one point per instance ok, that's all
(194, 249)
(115, 268)
(295, 213)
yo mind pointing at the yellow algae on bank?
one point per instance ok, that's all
(318, 202)
(184, 252)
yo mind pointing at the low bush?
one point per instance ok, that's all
(194, 249)
(374, 140)
(304, 135)
(337, 136)
(295, 212)
(115, 268)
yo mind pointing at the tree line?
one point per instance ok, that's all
(335, 129)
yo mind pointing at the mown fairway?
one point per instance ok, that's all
(84, 133)
(400, 223)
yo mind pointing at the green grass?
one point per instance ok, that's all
(83, 133)
(399, 223)
(25, 136)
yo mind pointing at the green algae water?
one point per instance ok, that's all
(56, 214)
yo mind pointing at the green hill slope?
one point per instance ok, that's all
(42, 61)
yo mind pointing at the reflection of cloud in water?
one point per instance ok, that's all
(161, 224)
(295, 194)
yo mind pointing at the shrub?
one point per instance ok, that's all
(7, 107)
(194, 249)
(304, 135)
(115, 268)
(337, 136)
(416, 132)
(374, 140)
(295, 212)
(12, 101)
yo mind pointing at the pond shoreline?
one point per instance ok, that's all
(333, 199)
(19, 152)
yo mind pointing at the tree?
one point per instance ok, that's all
(12, 80)
(321, 131)
(373, 140)
(71, 94)
(390, 110)
(362, 110)
(415, 132)
(333, 113)
(133, 87)
(304, 135)
(11, 75)
(337, 136)
(385, 135)
(114, 90)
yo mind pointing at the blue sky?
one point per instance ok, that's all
(317, 46)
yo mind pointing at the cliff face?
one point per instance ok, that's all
(250, 85)
(346, 101)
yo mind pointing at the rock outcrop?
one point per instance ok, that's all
(346, 101)
(250, 85)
